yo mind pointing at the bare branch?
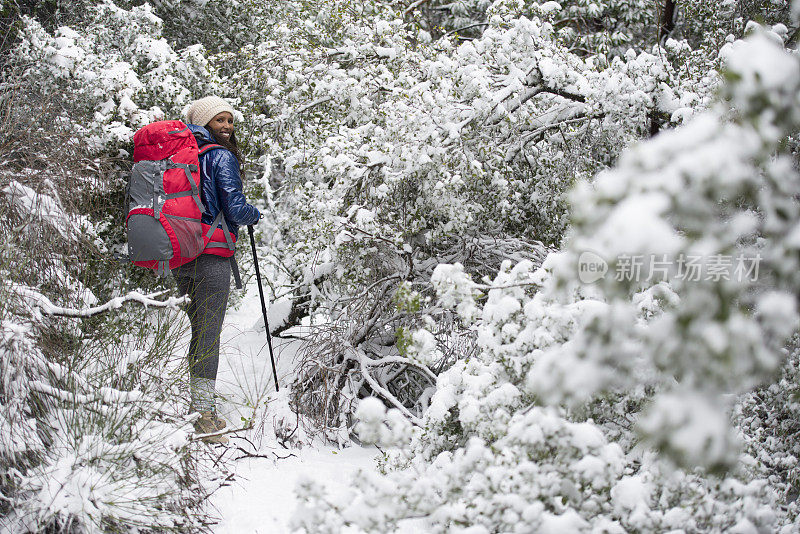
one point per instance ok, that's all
(372, 286)
(350, 226)
(386, 360)
(526, 95)
(274, 456)
(197, 437)
(451, 32)
(529, 136)
(484, 287)
(359, 336)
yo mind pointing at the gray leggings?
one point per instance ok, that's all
(207, 281)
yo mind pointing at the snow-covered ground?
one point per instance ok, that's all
(261, 498)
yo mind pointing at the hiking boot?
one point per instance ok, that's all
(220, 422)
(208, 424)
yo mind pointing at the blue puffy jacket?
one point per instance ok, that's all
(222, 185)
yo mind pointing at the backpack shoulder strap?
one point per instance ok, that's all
(209, 147)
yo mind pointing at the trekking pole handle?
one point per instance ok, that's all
(263, 304)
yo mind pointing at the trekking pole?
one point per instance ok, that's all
(263, 306)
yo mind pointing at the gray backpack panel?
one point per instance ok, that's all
(147, 239)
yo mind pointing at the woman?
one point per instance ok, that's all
(207, 279)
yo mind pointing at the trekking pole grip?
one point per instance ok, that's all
(263, 304)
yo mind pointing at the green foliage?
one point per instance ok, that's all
(403, 340)
(406, 299)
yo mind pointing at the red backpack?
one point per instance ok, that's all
(163, 222)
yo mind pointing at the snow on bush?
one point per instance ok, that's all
(719, 190)
(491, 455)
(489, 458)
(78, 453)
(119, 70)
(89, 437)
(377, 426)
(87, 442)
(398, 157)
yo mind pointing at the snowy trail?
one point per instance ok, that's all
(261, 498)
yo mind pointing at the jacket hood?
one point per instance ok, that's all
(202, 135)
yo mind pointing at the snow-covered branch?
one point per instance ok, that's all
(312, 105)
(364, 364)
(414, 5)
(48, 308)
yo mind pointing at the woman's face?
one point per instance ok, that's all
(222, 125)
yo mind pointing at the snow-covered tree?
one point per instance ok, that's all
(520, 435)
(92, 439)
(119, 70)
(418, 162)
(386, 153)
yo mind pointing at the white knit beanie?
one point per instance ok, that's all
(200, 112)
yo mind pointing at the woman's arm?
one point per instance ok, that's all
(229, 187)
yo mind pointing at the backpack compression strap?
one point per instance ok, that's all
(194, 193)
(219, 221)
(163, 268)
